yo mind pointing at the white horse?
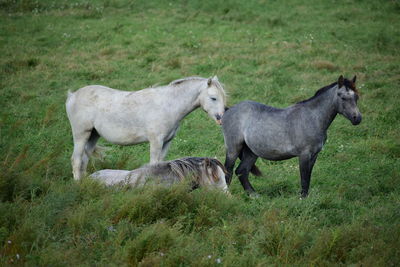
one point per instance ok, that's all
(206, 172)
(127, 118)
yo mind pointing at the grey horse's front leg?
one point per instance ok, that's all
(306, 163)
(243, 170)
(230, 159)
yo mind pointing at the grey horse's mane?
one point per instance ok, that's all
(193, 167)
(349, 84)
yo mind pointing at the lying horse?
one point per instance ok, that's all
(253, 130)
(202, 172)
(126, 118)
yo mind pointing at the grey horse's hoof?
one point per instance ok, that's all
(254, 195)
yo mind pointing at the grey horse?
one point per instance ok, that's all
(253, 130)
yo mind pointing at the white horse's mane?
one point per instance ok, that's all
(217, 83)
(191, 78)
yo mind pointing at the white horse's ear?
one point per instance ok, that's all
(209, 82)
(215, 78)
(340, 81)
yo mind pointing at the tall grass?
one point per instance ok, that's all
(275, 52)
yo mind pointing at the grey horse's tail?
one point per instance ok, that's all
(255, 170)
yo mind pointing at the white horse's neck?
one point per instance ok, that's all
(183, 98)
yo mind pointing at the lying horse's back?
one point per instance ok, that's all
(111, 177)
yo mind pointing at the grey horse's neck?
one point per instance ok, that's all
(323, 106)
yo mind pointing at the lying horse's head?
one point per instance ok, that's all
(347, 96)
(203, 171)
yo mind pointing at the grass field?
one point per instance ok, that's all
(274, 52)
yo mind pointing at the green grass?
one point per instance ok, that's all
(275, 52)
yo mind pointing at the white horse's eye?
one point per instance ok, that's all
(213, 98)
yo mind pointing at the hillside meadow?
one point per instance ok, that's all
(273, 52)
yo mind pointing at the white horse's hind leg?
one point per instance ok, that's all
(89, 148)
(77, 159)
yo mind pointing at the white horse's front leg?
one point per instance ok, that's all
(164, 150)
(156, 151)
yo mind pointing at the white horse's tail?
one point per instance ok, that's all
(69, 94)
(69, 98)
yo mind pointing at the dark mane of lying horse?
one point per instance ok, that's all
(189, 167)
(349, 84)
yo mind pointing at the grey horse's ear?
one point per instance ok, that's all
(209, 81)
(340, 81)
(215, 78)
(354, 79)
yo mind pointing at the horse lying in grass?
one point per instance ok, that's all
(206, 172)
(253, 130)
(126, 118)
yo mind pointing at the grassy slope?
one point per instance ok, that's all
(275, 52)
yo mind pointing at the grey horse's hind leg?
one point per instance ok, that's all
(243, 170)
(306, 163)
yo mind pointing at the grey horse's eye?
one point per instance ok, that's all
(341, 97)
(213, 99)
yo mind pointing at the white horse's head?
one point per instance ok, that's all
(213, 99)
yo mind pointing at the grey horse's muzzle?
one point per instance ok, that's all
(355, 120)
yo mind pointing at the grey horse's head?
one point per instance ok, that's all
(213, 99)
(347, 97)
